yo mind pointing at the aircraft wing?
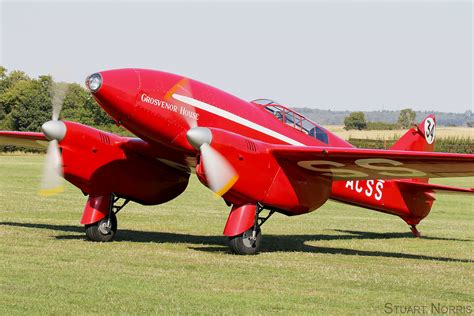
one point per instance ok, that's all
(366, 164)
(24, 139)
(154, 151)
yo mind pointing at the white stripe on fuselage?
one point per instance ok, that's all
(235, 118)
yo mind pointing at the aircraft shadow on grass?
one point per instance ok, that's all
(271, 243)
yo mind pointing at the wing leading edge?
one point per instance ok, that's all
(24, 139)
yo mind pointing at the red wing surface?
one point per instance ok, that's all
(365, 164)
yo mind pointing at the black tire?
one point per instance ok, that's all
(95, 233)
(242, 245)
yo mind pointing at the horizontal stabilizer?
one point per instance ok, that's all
(435, 188)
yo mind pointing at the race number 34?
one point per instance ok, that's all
(430, 130)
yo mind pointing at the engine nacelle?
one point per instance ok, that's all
(99, 164)
(250, 159)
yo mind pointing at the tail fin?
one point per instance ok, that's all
(420, 137)
(418, 195)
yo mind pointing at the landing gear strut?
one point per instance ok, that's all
(416, 233)
(105, 229)
(248, 243)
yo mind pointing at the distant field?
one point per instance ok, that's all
(440, 132)
(172, 258)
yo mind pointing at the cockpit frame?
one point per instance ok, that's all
(293, 119)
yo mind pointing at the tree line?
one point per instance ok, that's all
(356, 120)
(330, 117)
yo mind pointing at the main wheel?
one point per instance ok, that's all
(103, 230)
(244, 244)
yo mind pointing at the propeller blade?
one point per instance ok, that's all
(190, 118)
(51, 182)
(220, 174)
(58, 93)
(54, 130)
(188, 112)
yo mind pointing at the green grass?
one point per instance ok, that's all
(173, 259)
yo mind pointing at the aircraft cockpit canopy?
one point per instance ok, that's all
(293, 119)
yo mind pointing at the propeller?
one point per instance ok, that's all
(220, 174)
(183, 87)
(54, 130)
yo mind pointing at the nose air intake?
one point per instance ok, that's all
(115, 91)
(94, 82)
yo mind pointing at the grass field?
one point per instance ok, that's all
(173, 259)
(441, 131)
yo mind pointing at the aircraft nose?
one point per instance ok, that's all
(115, 91)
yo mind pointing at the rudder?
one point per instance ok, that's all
(419, 137)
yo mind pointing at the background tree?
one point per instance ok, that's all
(3, 77)
(31, 103)
(74, 105)
(406, 118)
(355, 120)
(25, 103)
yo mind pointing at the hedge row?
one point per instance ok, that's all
(450, 144)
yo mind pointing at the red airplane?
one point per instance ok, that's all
(256, 155)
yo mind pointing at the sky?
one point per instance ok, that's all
(338, 55)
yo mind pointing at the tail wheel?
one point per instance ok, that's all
(103, 230)
(245, 243)
(416, 233)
